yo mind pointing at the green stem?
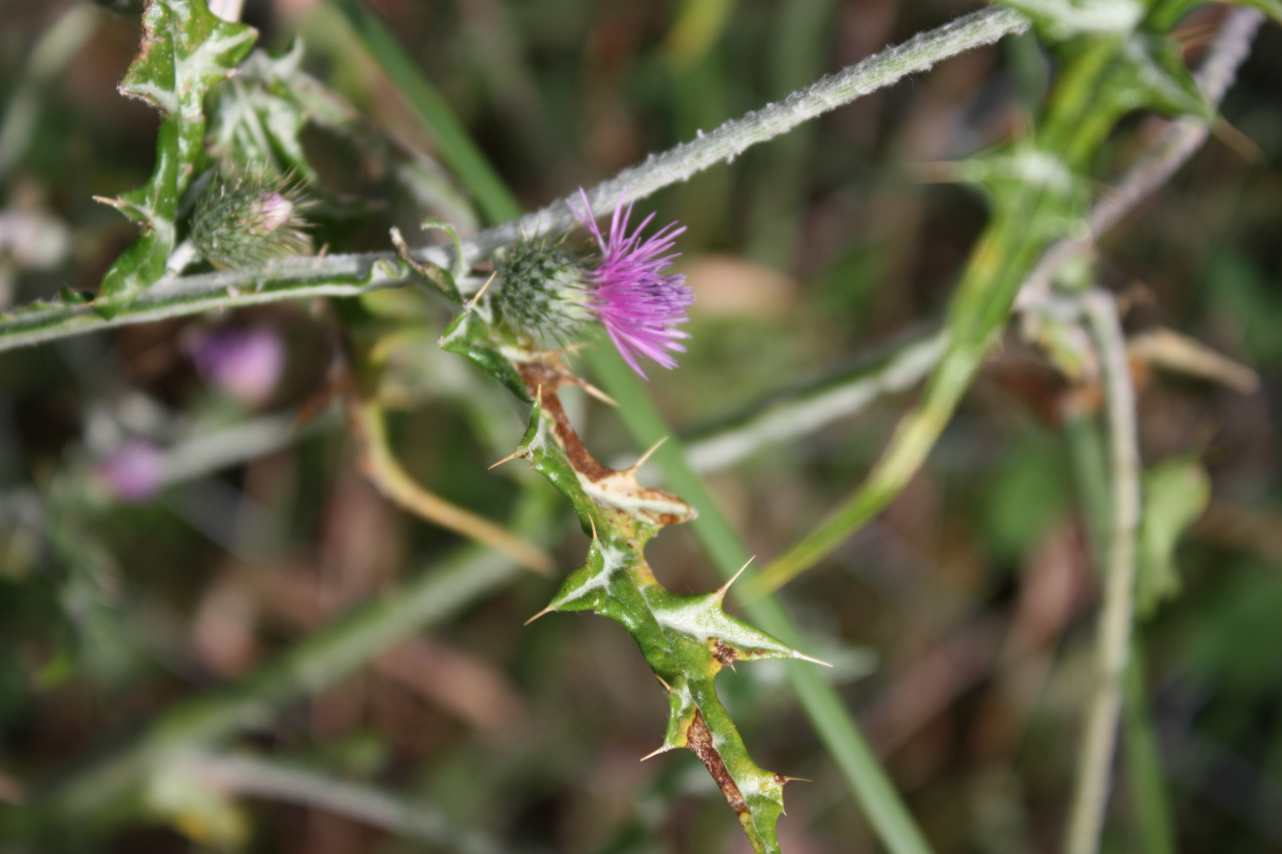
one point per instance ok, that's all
(789, 413)
(1144, 764)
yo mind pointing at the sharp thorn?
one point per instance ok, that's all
(812, 660)
(592, 525)
(788, 779)
(725, 588)
(654, 753)
(644, 458)
(597, 393)
(665, 685)
(471, 304)
(540, 614)
(517, 454)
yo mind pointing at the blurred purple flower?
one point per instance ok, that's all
(132, 472)
(244, 362)
(638, 302)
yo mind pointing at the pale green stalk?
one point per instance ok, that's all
(784, 415)
(1100, 736)
(246, 775)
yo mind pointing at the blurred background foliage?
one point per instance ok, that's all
(961, 620)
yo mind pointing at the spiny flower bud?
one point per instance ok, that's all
(542, 292)
(246, 220)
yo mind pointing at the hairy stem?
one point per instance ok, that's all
(1113, 640)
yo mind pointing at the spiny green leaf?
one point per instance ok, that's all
(686, 640)
(470, 337)
(186, 51)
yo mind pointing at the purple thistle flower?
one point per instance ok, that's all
(134, 471)
(638, 302)
(244, 362)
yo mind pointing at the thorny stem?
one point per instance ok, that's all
(351, 275)
(1087, 819)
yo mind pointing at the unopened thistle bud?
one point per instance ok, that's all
(247, 220)
(543, 292)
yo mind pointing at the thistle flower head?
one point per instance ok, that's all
(550, 293)
(640, 304)
(245, 220)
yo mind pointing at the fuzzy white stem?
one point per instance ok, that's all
(734, 137)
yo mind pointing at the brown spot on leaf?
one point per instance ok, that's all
(699, 739)
(722, 653)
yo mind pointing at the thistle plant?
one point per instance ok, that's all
(529, 295)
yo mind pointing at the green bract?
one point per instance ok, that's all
(541, 292)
